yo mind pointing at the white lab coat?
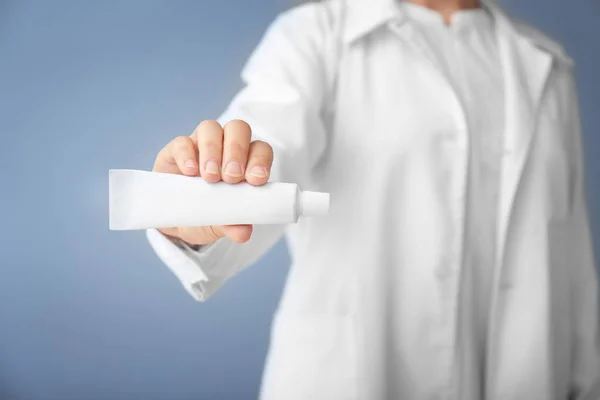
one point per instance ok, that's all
(370, 307)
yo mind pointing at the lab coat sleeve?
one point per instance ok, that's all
(284, 88)
(585, 382)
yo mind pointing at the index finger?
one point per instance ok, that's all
(178, 157)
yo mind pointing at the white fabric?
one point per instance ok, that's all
(372, 306)
(466, 52)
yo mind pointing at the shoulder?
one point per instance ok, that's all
(543, 41)
(563, 82)
(299, 39)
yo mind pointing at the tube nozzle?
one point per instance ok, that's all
(314, 204)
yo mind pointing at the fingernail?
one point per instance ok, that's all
(211, 167)
(190, 163)
(233, 169)
(258, 172)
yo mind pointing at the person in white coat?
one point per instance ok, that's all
(456, 262)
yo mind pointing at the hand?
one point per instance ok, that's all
(216, 153)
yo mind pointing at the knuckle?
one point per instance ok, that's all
(182, 143)
(208, 124)
(264, 147)
(237, 125)
(205, 127)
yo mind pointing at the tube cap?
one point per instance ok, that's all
(315, 204)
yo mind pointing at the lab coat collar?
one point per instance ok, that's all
(365, 16)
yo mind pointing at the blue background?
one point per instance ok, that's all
(90, 85)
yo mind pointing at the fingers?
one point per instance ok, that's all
(178, 157)
(236, 144)
(260, 159)
(227, 154)
(216, 153)
(209, 136)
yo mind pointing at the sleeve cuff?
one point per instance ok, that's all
(192, 267)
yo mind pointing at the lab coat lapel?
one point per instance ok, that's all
(526, 71)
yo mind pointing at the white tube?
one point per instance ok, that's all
(142, 200)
